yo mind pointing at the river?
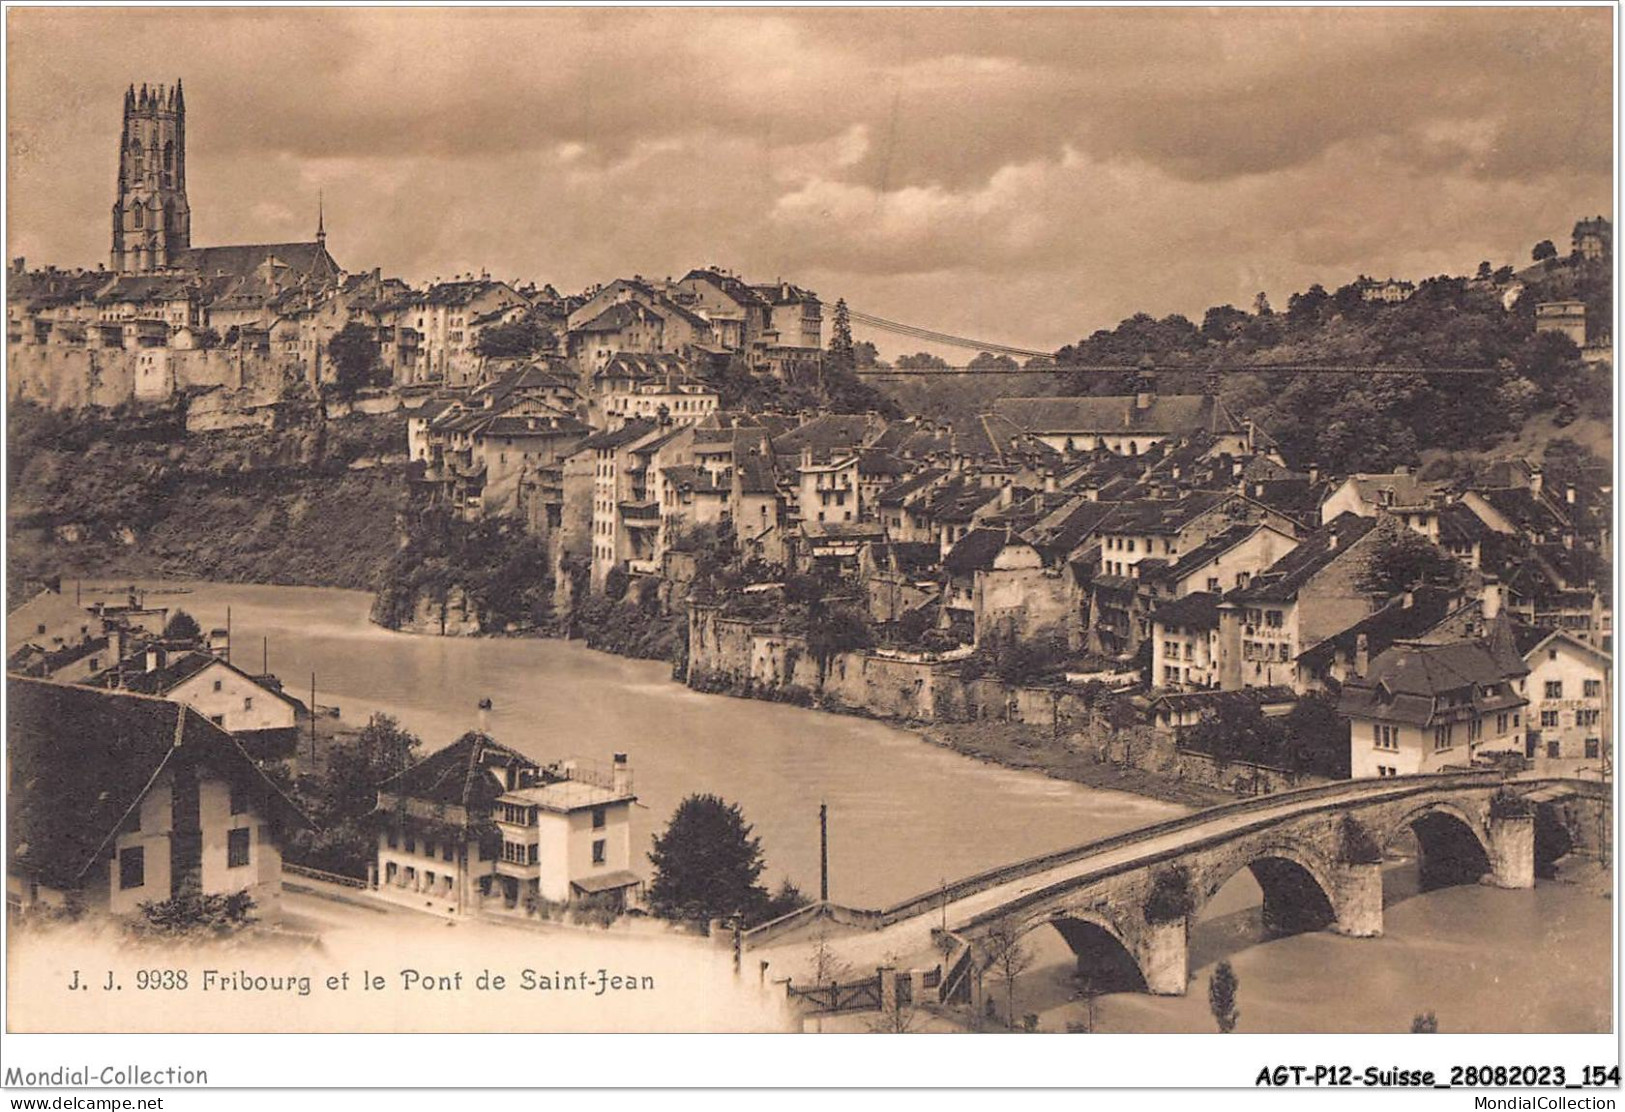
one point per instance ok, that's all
(905, 815)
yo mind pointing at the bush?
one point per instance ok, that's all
(1356, 845)
(1509, 805)
(191, 912)
(1170, 899)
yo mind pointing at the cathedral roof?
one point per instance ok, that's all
(242, 260)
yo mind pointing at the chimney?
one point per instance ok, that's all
(155, 658)
(1049, 483)
(1006, 495)
(1314, 472)
(1568, 494)
(1492, 598)
(485, 717)
(1402, 469)
(622, 775)
(1535, 481)
(1331, 540)
(1142, 400)
(1362, 655)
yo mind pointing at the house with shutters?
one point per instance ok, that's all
(1300, 600)
(1431, 707)
(253, 709)
(1569, 688)
(116, 799)
(479, 825)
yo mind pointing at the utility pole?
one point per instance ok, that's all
(228, 635)
(313, 723)
(823, 852)
(265, 656)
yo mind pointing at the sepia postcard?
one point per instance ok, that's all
(945, 520)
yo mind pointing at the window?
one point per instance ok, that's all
(132, 867)
(237, 848)
(1272, 619)
(1213, 584)
(1475, 730)
(1593, 689)
(1548, 719)
(1587, 717)
(411, 843)
(394, 839)
(1442, 738)
(598, 818)
(1500, 723)
(447, 852)
(1593, 748)
(239, 799)
(598, 851)
(1554, 689)
(217, 685)
(248, 702)
(1554, 749)
(218, 719)
(533, 856)
(428, 848)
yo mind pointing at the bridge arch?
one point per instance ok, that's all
(1106, 953)
(1104, 959)
(1298, 893)
(1453, 843)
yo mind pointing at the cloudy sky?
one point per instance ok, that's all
(1019, 175)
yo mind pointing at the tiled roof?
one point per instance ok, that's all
(1281, 581)
(1197, 610)
(1166, 414)
(464, 773)
(617, 438)
(1394, 622)
(899, 493)
(1408, 683)
(240, 260)
(976, 551)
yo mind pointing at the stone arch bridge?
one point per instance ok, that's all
(1128, 900)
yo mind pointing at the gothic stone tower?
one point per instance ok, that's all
(152, 223)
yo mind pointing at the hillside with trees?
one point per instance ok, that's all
(1353, 422)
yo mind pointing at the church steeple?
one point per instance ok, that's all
(152, 222)
(321, 228)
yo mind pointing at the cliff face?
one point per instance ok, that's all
(127, 493)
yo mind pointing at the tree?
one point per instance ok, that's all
(1485, 271)
(833, 630)
(518, 339)
(1221, 997)
(1544, 250)
(842, 357)
(987, 361)
(183, 627)
(707, 863)
(1009, 959)
(921, 361)
(1425, 1023)
(1405, 560)
(354, 351)
(354, 770)
(865, 354)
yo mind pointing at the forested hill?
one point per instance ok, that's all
(1370, 423)
(1347, 423)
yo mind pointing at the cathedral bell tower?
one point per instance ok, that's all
(152, 223)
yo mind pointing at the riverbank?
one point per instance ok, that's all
(1025, 748)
